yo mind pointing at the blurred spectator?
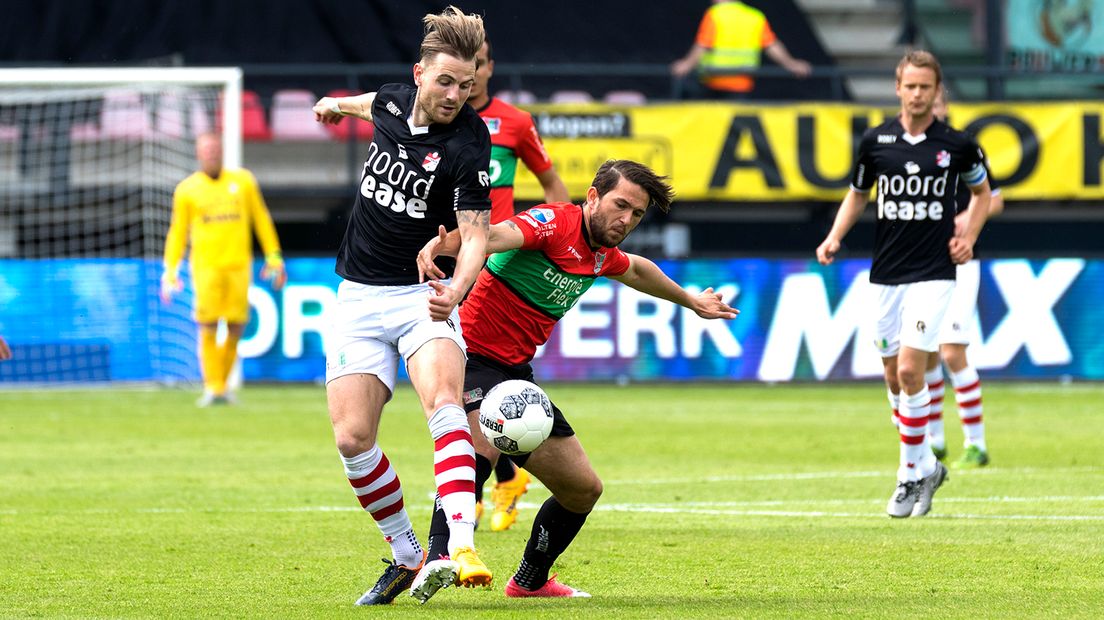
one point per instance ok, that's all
(5, 352)
(732, 36)
(513, 136)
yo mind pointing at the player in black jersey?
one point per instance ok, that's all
(957, 333)
(916, 162)
(427, 166)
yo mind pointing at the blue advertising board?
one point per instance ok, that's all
(101, 320)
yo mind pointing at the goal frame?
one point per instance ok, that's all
(230, 77)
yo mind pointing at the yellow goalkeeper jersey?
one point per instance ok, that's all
(215, 216)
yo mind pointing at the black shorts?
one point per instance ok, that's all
(483, 373)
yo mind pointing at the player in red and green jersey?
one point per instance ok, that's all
(513, 137)
(544, 260)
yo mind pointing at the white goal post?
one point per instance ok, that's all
(89, 158)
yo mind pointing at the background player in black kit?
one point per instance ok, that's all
(957, 334)
(916, 161)
(427, 166)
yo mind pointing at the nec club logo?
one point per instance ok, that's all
(943, 159)
(493, 125)
(431, 161)
(599, 260)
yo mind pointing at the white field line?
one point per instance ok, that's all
(821, 475)
(746, 509)
(844, 515)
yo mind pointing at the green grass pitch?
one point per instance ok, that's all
(720, 502)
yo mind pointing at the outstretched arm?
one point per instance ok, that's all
(646, 277)
(501, 237)
(331, 110)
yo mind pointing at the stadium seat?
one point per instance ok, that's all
(571, 96)
(516, 97)
(84, 132)
(125, 116)
(254, 124)
(292, 118)
(347, 128)
(625, 97)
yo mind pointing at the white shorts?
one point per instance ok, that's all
(911, 315)
(958, 324)
(376, 324)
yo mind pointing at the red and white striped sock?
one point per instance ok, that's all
(917, 459)
(894, 404)
(377, 487)
(968, 395)
(454, 473)
(934, 379)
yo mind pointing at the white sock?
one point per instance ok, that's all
(377, 487)
(454, 473)
(894, 405)
(967, 385)
(916, 459)
(934, 379)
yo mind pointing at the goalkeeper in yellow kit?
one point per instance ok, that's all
(213, 211)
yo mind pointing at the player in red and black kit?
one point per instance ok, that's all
(545, 259)
(427, 167)
(513, 137)
(916, 161)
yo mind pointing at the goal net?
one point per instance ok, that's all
(89, 159)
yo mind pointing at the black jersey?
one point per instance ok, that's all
(917, 177)
(414, 179)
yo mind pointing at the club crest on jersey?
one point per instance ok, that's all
(431, 161)
(912, 167)
(493, 125)
(599, 259)
(943, 159)
(394, 109)
(543, 216)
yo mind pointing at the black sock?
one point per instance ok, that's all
(438, 525)
(482, 474)
(553, 530)
(504, 469)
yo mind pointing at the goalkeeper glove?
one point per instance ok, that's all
(170, 285)
(274, 271)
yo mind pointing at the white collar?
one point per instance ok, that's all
(914, 140)
(414, 129)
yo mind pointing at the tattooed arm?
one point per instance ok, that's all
(501, 237)
(473, 230)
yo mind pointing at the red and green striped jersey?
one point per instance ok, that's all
(513, 136)
(521, 294)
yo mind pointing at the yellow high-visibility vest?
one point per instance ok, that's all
(739, 36)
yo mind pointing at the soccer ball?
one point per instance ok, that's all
(516, 416)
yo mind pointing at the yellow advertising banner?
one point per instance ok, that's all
(721, 151)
